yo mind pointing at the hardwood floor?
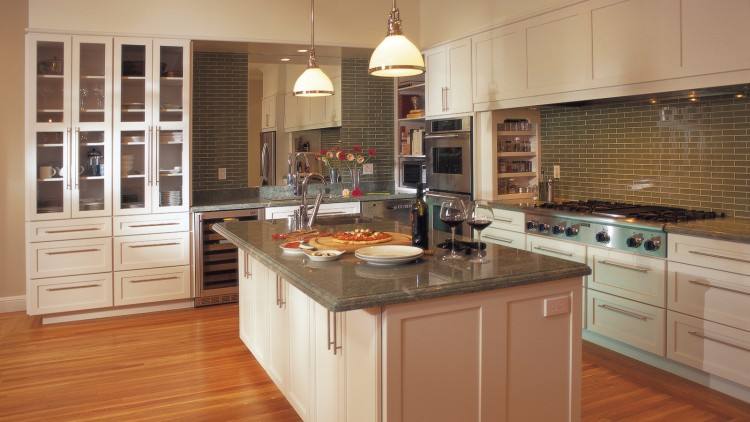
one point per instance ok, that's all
(190, 365)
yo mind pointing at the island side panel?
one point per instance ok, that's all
(491, 355)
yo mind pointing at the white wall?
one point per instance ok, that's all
(443, 20)
(350, 23)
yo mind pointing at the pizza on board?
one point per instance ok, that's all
(361, 237)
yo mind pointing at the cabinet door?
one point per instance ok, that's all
(317, 111)
(259, 309)
(91, 153)
(290, 111)
(301, 354)
(133, 126)
(244, 269)
(330, 398)
(436, 65)
(714, 35)
(49, 141)
(458, 92)
(635, 277)
(333, 103)
(171, 145)
(499, 64)
(277, 363)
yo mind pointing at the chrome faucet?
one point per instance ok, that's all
(303, 220)
(293, 175)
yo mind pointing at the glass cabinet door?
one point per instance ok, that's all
(91, 156)
(171, 146)
(133, 127)
(48, 171)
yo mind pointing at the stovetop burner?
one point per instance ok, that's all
(655, 213)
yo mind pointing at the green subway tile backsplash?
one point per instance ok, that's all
(674, 153)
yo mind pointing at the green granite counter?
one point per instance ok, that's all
(731, 229)
(349, 283)
(263, 202)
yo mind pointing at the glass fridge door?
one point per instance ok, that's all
(92, 96)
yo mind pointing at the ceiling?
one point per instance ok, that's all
(264, 53)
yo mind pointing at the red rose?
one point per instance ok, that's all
(371, 152)
(323, 152)
(341, 155)
(357, 148)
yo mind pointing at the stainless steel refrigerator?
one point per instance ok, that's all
(268, 158)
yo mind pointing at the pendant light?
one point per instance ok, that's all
(313, 82)
(396, 56)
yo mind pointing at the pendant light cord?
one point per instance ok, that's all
(312, 24)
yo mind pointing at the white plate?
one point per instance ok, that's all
(295, 251)
(325, 255)
(389, 254)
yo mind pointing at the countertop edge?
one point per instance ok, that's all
(268, 203)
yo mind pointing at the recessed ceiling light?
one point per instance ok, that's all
(693, 99)
(285, 59)
(302, 50)
(740, 95)
(692, 94)
(652, 101)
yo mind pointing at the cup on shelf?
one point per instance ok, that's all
(47, 172)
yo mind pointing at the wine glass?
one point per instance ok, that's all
(479, 217)
(452, 213)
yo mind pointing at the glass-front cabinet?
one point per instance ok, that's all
(69, 126)
(151, 125)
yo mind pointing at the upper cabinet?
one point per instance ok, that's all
(303, 113)
(448, 79)
(499, 63)
(151, 129)
(715, 35)
(69, 139)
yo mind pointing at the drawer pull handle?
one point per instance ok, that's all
(83, 286)
(707, 284)
(145, 280)
(87, 229)
(711, 255)
(75, 251)
(499, 239)
(624, 312)
(716, 340)
(153, 245)
(154, 225)
(551, 250)
(625, 266)
(504, 220)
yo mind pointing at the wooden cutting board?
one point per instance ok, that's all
(327, 242)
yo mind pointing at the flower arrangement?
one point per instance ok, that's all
(338, 158)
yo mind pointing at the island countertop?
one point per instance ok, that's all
(349, 283)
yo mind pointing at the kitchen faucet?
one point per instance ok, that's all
(302, 219)
(293, 176)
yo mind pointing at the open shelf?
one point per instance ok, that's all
(171, 78)
(52, 179)
(502, 154)
(133, 78)
(411, 156)
(513, 175)
(50, 76)
(92, 77)
(51, 110)
(515, 133)
(92, 144)
(92, 110)
(50, 145)
(92, 177)
(134, 176)
(411, 119)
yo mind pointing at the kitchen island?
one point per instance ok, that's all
(430, 340)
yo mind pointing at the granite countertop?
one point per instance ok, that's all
(251, 202)
(349, 283)
(732, 229)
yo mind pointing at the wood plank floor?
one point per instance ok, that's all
(189, 365)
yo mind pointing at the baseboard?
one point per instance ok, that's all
(713, 382)
(12, 303)
(131, 310)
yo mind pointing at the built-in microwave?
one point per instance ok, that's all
(413, 170)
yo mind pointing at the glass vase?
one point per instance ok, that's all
(356, 173)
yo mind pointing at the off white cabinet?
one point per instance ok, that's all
(268, 113)
(448, 79)
(277, 361)
(499, 63)
(628, 275)
(303, 113)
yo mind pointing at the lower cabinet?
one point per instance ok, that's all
(628, 275)
(152, 285)
(72, 293)
(507, 238)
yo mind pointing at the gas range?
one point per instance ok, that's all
(632, 228)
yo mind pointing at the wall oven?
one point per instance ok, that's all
(413, 170)
(215, 258)
(449, 155)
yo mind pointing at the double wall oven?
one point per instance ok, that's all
(448, 147)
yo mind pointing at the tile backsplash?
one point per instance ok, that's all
(675, 153)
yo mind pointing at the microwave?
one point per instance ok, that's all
(413, 170)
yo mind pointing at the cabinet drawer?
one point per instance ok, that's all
(504, 238)
(150, 224)
(710, 347)
(630, 276)
(73, 293)
(82, 228)
(509, 220)
(70, 257)
(709, 253)
(152, 251)
(714, 295)
(630, 322)
(153, 285)
(557, 248)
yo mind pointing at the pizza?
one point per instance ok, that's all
(361, 237)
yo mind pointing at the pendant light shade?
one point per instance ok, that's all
(313, 82)
(396, 56)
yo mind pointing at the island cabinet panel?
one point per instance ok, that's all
(477, 356)
(277, 362)
(635, 40)
(330, 381)
(301, 351)
(259, 310)
(244, 269)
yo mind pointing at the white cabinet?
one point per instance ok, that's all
(448, 79)
(714, 35)
(151, 251)
(268, 113)
(710, 253)
(329, 209)
(277, 361)
(304, 113)
(499, 63)
(628, 275)
(82, 228)
(508, 220)
(299, 386)
(556, 248)
(151, 125)
(152, 285)
(259, 309)
(69, 257)
(68, 149)
(504, 238)
(72, 293)
(330, 384)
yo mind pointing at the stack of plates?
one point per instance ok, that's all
(171, 198)
(388, 254)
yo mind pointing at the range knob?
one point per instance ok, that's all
(559, 228)
(634, 241)
(531, 225)
(543, 227)
(602, 237)
(572, 230)
(652, 244)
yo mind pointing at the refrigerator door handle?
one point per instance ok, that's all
(263, 164)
